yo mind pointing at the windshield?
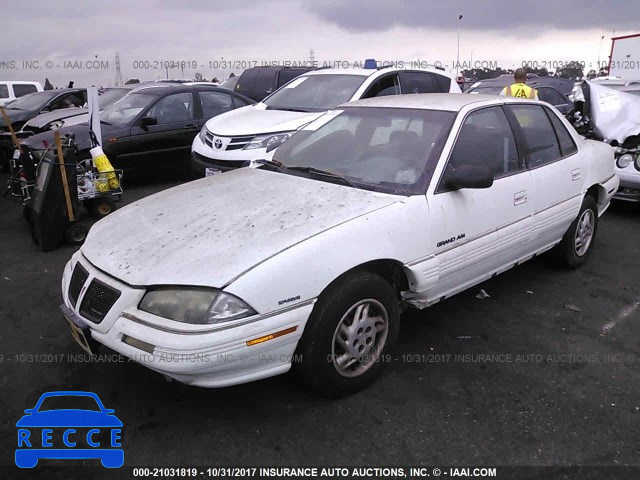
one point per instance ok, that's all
(69, 402)
(111, 96)
(33, 101)
(315, 93)
(384, 149)
(127, 108)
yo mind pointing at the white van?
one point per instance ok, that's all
(9, 91)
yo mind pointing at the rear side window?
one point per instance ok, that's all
(567, 145)
(215, 103)
(549, 95)
(387, 85)
(540, 137)
(4, 91)
(418, 82)
(264, 81)
(23, 89)
(287, 75)
(247, 80)
(444, 83)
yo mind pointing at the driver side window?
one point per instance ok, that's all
(172, 109)
(486, 140)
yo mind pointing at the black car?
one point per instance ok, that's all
(152, 127)
(258, 82)
(553, 90)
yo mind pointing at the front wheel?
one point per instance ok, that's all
(577, 243)
(351, 329)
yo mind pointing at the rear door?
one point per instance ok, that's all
(479, 232)
(169, 141)
(553, 159)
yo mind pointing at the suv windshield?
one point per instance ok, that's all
(127, 108)
(315, 93)
(33, 101)
(390, 150)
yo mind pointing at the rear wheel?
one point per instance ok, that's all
(346, 340)
(577, 243)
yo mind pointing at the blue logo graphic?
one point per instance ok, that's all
(69, 425)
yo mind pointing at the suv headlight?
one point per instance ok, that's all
(624, 160)
(272, 140)
(200, 306)
(203, 133)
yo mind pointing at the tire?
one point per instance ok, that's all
(325, 364)
(577, 243)
(76, 233)
(101, 207)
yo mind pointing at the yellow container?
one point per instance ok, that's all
(104, 166)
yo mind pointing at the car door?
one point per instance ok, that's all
(552, 156)
(477, 232)
(555, 98)
(163, 134)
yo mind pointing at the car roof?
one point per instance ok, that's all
(370, 72)
(452, 102)
(160, 89)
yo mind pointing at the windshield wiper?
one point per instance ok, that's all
(272, 163)
(288, 109)
(324, 173)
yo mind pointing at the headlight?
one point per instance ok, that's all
(203, 133)
(624, 160)
(200, 306)
(271, 141)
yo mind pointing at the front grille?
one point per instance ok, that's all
(235, 143)
(78, 278)
(98, 300)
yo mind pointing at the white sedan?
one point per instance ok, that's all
(307, 259)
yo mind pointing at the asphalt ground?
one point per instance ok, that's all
(544, 371)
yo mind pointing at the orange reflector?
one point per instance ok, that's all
(113, 139)
(271, 336)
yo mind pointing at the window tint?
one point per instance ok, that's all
(567, 145)
(549, 95)
(542, 146)
(173, 108)
(215, 103)
(417, 82)
(444, 83)
(22, 89)
(288, 74)
(238, 102)
(247, 80)
(383, 86)
(265, 80)
(4, 91)
(486, 139)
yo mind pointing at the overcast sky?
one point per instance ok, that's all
(204, 31)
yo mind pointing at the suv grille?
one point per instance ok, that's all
(78, 278)
(236, 143)
(98, 300)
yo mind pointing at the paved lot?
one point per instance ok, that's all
(456, 393)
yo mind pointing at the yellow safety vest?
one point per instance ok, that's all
(520, 90)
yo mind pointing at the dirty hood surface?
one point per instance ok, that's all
(210, 231)
(256, 119)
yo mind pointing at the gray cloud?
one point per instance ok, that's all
(372, 15)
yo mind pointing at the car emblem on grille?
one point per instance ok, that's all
(218, 143)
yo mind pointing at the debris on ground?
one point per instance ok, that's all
(529, 292)
(482, 295)
(572, 308)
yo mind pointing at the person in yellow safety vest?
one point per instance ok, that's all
(519, 89)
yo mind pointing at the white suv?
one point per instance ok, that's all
(9, 91)
(241, 137)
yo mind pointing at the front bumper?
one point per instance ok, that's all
(193, 354)
(203, 156)
(629, 186)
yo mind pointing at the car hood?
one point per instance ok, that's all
(211, 231)
(69, 418)
(256, 119)
(45, 118)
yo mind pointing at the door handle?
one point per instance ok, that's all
(520, 197)
(576, 174)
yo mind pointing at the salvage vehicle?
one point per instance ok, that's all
(307, 259)
(152, 127)
(29, 106)
(9, 91)
(238, 139)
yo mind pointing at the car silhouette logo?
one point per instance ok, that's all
(218, 143)
(69, 425)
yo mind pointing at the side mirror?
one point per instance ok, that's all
(147, 121)
(469, 176)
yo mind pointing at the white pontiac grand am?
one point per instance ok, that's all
(307, 259)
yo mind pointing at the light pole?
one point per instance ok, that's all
(458, 54)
